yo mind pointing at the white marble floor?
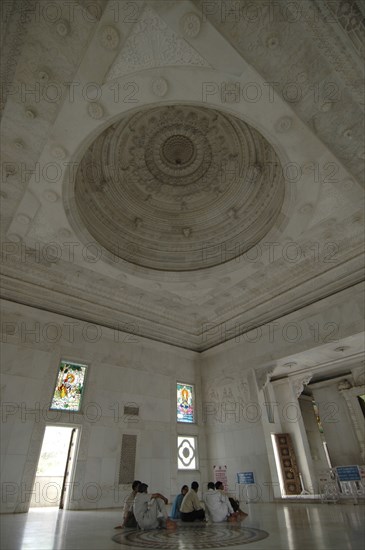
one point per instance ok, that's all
(292, 526)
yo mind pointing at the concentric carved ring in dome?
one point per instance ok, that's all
(179, 188)
(178, 150)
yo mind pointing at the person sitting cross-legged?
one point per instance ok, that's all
(150, 510)
(234, 503)
(190, 507)
(175, 510)
(218, 506)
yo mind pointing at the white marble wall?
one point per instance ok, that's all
(233, 428)
(235, 438)
(122, 369)
(339, 433)
(245, 365)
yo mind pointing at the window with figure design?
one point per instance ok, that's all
(69, 388)
(185, 403)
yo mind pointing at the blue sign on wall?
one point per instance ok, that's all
(245, 477)
(348, 473)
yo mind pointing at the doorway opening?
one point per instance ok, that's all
(53, 477)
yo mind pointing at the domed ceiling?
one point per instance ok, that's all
(166, 191)
(179, 188)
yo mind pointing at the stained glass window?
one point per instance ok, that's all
(185, 403)
(186, 453)
(69, 387)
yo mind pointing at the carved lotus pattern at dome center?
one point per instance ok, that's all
(178, 150)
(169, 182)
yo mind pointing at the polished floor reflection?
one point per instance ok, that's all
(292, 526)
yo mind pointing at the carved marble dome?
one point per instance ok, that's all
(179, 188)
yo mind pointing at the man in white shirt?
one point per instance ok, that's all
(233, 502)
(150, 510)
(128, 517)
(191, 509)
(218, 505)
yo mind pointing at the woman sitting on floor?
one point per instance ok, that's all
(175, 511)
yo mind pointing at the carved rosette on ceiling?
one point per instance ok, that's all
(180, 171)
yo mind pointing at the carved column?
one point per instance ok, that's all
(350, 395)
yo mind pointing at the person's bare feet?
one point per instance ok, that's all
(232, 518)
(119, 527)
(171, 525)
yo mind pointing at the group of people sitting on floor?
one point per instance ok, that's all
(148, 511)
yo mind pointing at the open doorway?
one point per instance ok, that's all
(54, 469)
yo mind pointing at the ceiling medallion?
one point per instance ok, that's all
(43, 77)
(23, 219)
(19, 144)
(284, 124)
(347, 133)
(64, 233)
(109, 37)
(58, 152)
(95, 110)
(63, 27)
(183, 188)
(326, 106)
(178, 150)
(306, 208)
(190, 25)
(50, 195)
(272, 41)
(290, 364)
(30, 114)
(187, 232)
(159, 87)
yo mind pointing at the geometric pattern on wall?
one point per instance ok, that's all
(186, 453)
(288, 463)
(127, 459)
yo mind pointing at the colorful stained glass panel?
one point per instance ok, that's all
(69, 387)
(185, 403)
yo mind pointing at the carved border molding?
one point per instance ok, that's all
(161, 322)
